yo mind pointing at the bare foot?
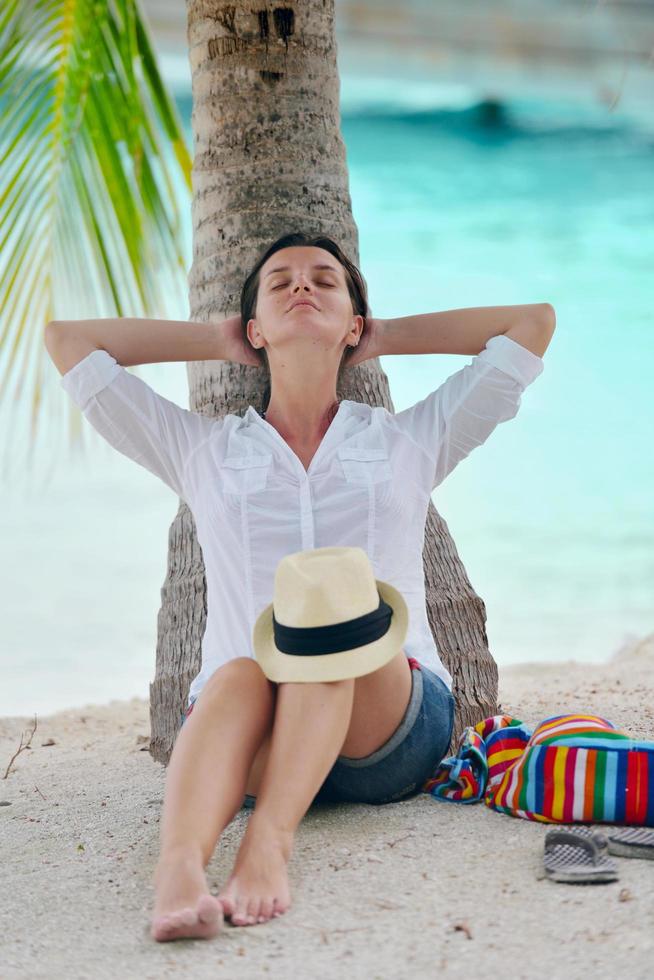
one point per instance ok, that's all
(184, 909)
(257, 889)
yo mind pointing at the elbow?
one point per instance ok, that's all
(56, 332)
(65, 346)
(548, 315)
(51, 332)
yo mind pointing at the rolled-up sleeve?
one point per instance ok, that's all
(141, 424)
(462, 412)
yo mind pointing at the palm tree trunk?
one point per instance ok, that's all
(269, 158)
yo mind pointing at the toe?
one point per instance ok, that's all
(188, 917)
(174, 921)
(158, 927)
(209, 910)
(239, 915)
(253, 907)
(163, 928)
(266, 910)
(228, 904)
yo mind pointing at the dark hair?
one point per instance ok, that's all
(356, 285)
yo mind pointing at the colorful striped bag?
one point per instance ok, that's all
(570, 768)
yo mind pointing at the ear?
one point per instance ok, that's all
(250, 330)
(357, 326)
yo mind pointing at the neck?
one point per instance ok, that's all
(303, 397)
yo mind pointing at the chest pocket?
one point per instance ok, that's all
(364, 466)
(246, 474)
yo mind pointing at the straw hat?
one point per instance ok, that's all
(332, 619)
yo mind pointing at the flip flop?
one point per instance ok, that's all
(637, 842)
(583, 830)
(574, 857)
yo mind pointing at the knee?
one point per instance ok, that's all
(241, 672)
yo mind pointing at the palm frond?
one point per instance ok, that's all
(93, 170)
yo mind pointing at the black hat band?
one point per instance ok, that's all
(309, 640)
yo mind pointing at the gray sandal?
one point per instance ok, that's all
(635, 842)
(583, 830)
(577, 856)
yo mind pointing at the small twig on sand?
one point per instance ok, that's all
(21, 747)
(463, 927)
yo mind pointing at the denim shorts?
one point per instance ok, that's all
(398, 769)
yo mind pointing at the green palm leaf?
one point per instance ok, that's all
(91, 155)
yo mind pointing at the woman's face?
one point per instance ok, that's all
(324, 322)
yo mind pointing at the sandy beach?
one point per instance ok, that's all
(415, 889)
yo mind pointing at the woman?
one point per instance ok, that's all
(306, 471)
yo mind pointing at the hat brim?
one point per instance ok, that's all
(356, 662)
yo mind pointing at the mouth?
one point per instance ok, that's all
(303, 303)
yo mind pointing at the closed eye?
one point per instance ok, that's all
(331, 284)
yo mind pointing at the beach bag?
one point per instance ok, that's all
(570, 768)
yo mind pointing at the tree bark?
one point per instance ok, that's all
(269, 158)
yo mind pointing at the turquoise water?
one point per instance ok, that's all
(553, 517)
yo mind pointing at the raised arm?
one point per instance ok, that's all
(93, 356)
(132, 340)
(507, 344)
(467, 330)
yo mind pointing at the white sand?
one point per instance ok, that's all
(415, 889)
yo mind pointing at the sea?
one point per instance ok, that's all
(458, 203)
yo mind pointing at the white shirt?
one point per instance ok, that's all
(368, 484)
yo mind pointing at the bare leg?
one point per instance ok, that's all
(205, 785)
(310, 726)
